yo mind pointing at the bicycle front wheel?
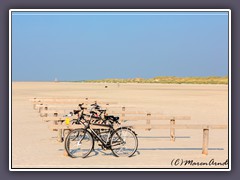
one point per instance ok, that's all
(124, 142)
(79, 143)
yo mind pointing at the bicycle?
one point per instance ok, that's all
(121, 141)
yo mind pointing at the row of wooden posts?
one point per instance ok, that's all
(43, 106)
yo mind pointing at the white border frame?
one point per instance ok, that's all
(122, 10)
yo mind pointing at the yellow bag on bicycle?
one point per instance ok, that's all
(67, 121)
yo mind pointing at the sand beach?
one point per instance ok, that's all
(34, 145)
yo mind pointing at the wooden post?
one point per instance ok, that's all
(205, 141)
(59, 137)
(172, 130)
(123, 113)
(148, 121)
(65, 132)
(46, 114)
(40, 109)
(65, 152)
(34, 105)
(55, 122)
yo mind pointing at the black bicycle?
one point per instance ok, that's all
(122, 141)
(96, 114)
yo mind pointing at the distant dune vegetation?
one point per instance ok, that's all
(169, 80)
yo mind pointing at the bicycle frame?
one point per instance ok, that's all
(96, 136)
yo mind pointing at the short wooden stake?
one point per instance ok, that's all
(55, 122)
(46, 114)
(123, 113)
(40, 109)
(60, 134)
(34, 105)
(43, 114)
(148, 121)
(172, 130)
(59, 137)
(65, 132)
(205, 141)
(65, 153)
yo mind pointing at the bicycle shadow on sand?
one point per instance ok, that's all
(99, 151)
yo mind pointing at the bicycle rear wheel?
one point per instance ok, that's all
(124, 142)
(79, 143)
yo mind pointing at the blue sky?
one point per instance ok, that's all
(96, 45)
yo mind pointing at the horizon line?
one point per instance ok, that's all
(114, 78)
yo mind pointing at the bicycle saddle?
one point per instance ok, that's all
(93, 112)
(76, 111)
(96, 106)
(113, 118)
(101, 110)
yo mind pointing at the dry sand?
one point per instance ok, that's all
(35, 146)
